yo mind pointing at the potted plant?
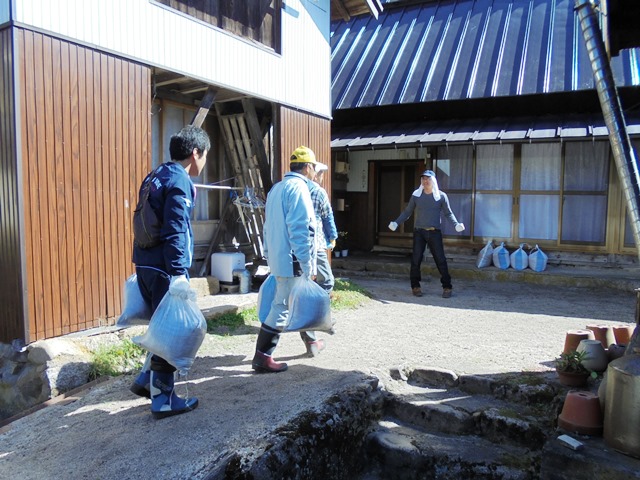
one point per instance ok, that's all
(571, 370)
(341, 243)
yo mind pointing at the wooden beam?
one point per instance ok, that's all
(258, 145)
(340, 10)
(205, 105)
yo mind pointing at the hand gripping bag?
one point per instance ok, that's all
(135, 310)
(266, 294)
(485, 255)
(501, 257)
(537, 259)
(519, 259)
(309, 307)
(177, 328)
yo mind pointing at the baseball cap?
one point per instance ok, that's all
(428, 173)
(321, 167)
(303, 154)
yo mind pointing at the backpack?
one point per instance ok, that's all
(146, 225)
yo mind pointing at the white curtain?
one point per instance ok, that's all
(586, 177)
(494, 172)
(540, 171)
(454, 171)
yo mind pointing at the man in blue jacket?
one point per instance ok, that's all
(171, 197)
(289, 246)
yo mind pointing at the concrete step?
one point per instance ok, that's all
(436, 400)
(403, 452)
(437, 424)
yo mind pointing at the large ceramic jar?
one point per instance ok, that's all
(622, 405)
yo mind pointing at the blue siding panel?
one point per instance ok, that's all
(459, 49)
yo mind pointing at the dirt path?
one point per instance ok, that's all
(487, 327)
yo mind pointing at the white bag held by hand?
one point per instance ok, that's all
(266, 294)
(537, 259)
(135, 310)
(177, 327)
(519, 259)
(309, 307)
(485, 255)
(501, 257)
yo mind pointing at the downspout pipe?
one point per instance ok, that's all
(623, 153)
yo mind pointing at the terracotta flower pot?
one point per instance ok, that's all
(623, 334)
(603, 333)
(581, 414)
(572, 379)
(573, 337)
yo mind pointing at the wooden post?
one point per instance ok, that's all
(205, 105)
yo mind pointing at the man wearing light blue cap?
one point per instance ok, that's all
(428, 202)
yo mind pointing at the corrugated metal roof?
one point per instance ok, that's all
(459, 49)
(477, 130)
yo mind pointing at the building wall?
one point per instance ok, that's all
(156, 35)
(12, 318)
(299, 128)
(84, 130)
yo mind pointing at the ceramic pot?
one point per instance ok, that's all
(603, 333)
(623, 334)
(616, 351)
(596, 357)
(573, 338)
(345, 253)
(581, 414)
(572, 379)
(336, 253)
(622, 406)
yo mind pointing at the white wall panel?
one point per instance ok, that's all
(299, 77)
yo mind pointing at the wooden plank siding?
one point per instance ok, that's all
(11, 298)
(85, 148)
(300, 128)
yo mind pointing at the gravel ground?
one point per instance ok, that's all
(485, 328)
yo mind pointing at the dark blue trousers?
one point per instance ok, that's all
(432, 238)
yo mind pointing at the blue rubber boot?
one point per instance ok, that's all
(140, 385)
(164, 401)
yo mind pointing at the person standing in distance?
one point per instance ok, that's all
(289, 246)
(171, 197)
(428, 202)
(326, 231)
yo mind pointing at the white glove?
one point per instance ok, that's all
(331, 245)
(460, 227)
(393, 226)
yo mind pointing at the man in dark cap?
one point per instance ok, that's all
(428, 202)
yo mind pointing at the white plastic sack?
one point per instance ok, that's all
(177, 328)
(537, 259)
(501, 257)
(266, 294)
(485, 255)
(309, 307)
(135, 310)
(519, 259)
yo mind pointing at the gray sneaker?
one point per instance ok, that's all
(446, 293)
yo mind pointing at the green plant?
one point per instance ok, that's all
(230, 321)
(117, 359)
(347, 294)
(572, 362)
(342, 241)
